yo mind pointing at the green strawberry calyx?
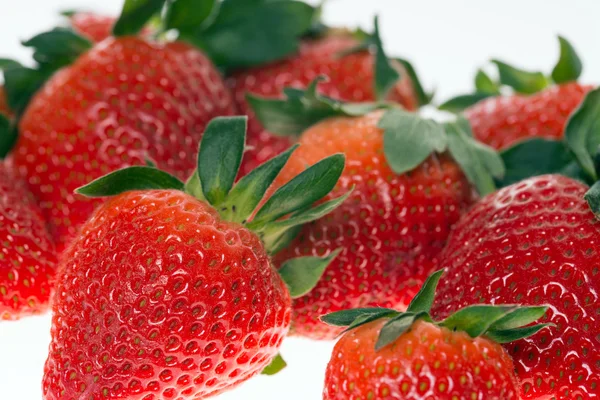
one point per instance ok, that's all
(568, 68)
(408, 138)
(500, 323)
(275, 221)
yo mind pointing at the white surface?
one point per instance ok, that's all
(447, 40)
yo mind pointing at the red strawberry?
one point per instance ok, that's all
(530, 243)
(351, 78)
(397, 219)
(120, 103)
(27, 259)
(93, 26)
(539, 107)
(169, 292)
(392, 355)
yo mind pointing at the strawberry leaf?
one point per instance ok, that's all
(220, 156)
(582, 133)
(569, 66)
(305, 189)
(58, 47)
(394, 328)
(7, 63)
(533, 157)
(21, 83)
(423, 301)
(189, 15)
(485, 84)
(8, 136)
(250, 190)
(128, 179)
(592, 197)
(477, 319)
(423, 97)
(135, 14)
(519, 317)
(460, 103)
(521, 81)
(409, 139)
(301, 109)
(277, 365)
(510, 335)
(348, 317)
(302, 274)
(386, 75)
(283, 241)
(480, 163)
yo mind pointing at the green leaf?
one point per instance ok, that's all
(533, 157)
(521, 81)
(20, 84)
(592, 197)
(423, 301)
(250, 189)
(276, 366)
(510, 335)
(220, 156)
(485, 84)
(395, 327)
(135, 14)
(460, 103)
(254, 33)
(127, 179)
(409, 139)
(301, 109)
(423, 97)
(347, 317)
(582, 132)
(520, 317)
(305, 189)
(283, 241)
(476, 320)
(7, 63)
(569, 66)
(69, 13)
(8, 136)
(386, 75)
(480, 163)
(58, 47)
(302, 274)
(189, 15)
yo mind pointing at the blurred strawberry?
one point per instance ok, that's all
(4, 109)
(93, 26)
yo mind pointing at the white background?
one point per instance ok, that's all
(447, 40)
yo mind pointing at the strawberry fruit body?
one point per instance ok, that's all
(169, 291)
(390, 355)
(27, 257)
(95, 27)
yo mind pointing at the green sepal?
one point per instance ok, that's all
(396, 326)
(302, 191)
(386, 75)
(250, 189)
(301, 109)
(250, 33)
(277, 365)
(582, 133)
(128, 179)
(592, 197)
(302, 274)
(7, 63)
(8, 135)
(485, 84)
(409, 139)
(69, 13)
(423, 97)
(521, 81)
(58, 47)
(510, 335)
(190, 15)
(348, 317)
(521, 316)
(20, 84)
(479, 162)
(569, 66)
(193, 186)
(220, 156)
(460, 103)
(283, 241)
(477, 319)
(135, 14)
(533, 157)
(423, 300)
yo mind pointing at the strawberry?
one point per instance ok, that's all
(93, 26)
(352, 77)
(539, 107)
(169, 291)
(386, 354)
(4, 109)
(404, 202)
(27, 258)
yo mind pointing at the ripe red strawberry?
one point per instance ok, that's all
(399, 215)
(530, 243)
(169, 292)
(27, 258)
(93, 26)
(539, 107)
(121, 103)
(390, 355)
(351, 78)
